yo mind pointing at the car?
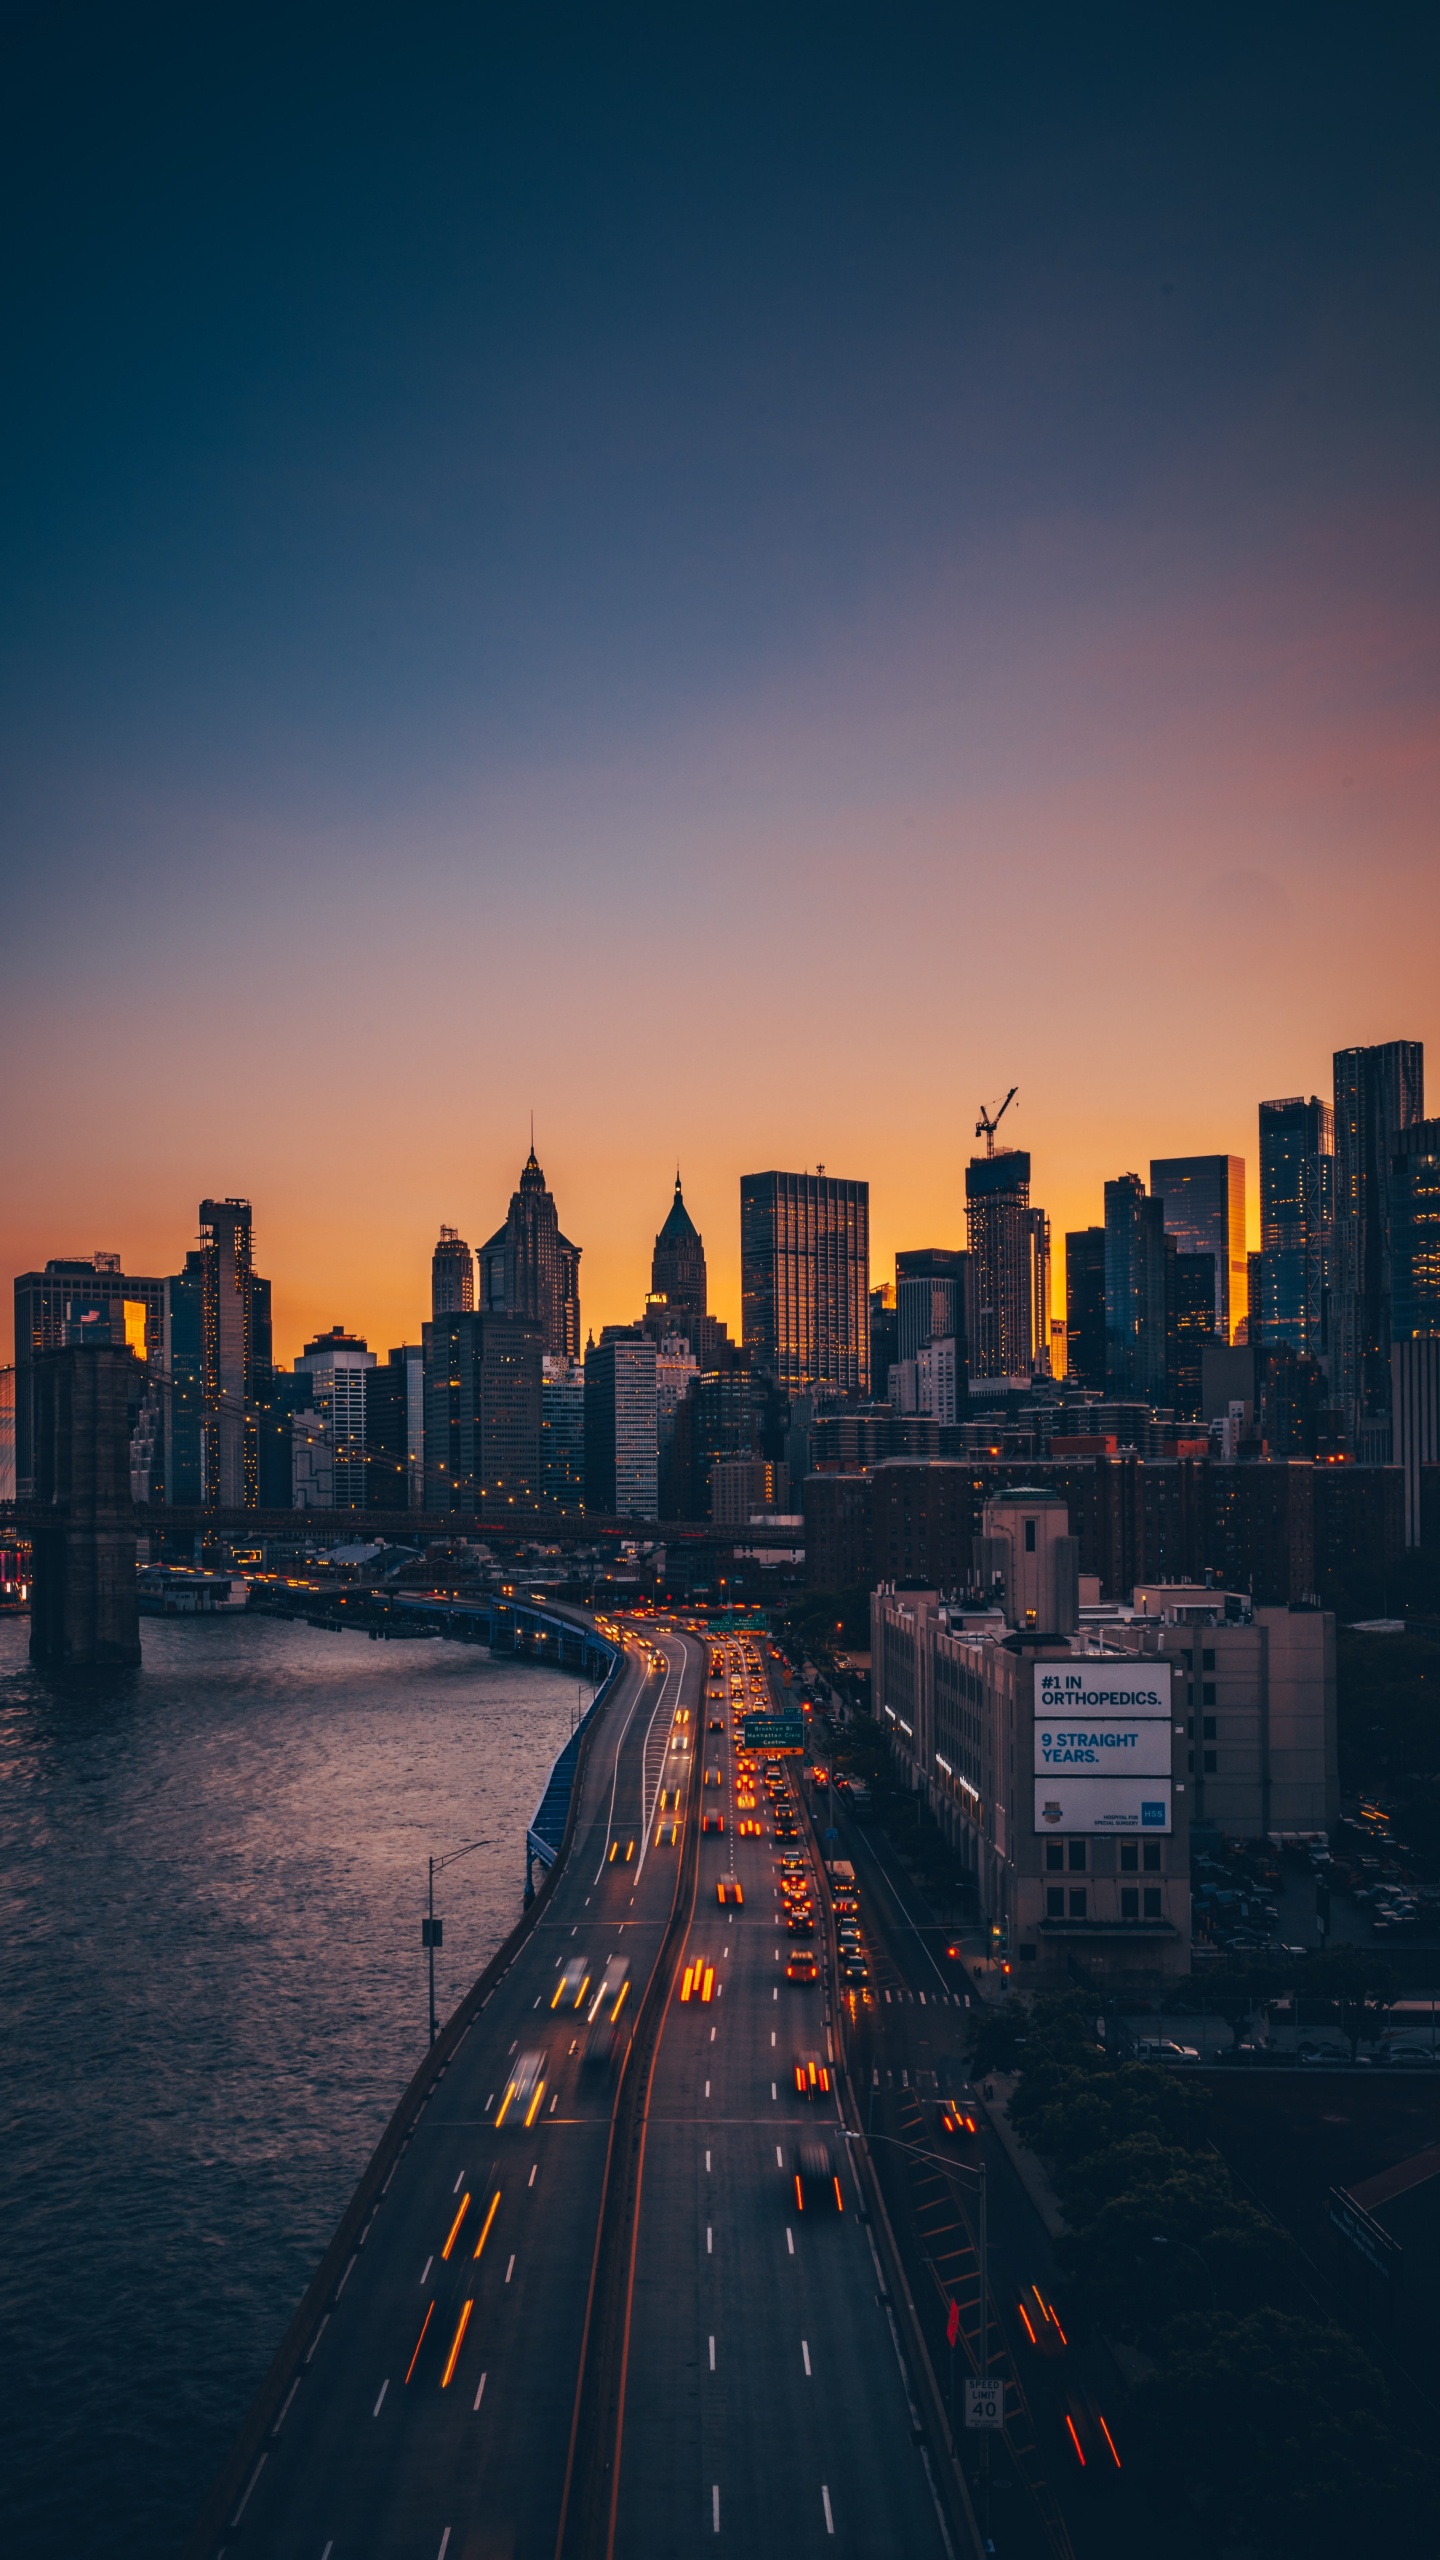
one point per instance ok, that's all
(958, 2120)
(1165, 2049)
(712, 1821)
(852, 1970)
(1323, 2049)
(573, 1984)
(716, 1725)
(727, 1890)
(801, 1966)
(524, 2089)
(1041, 2327)
(712, 1778)
(812, 2076)
(751, 1830)
(667, 1836)
(817, 2180)
(800, 1924)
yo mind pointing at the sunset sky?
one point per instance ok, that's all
(744, 581)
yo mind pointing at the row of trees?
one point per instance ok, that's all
(1259, 2421)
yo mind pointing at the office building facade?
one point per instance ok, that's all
(1297, 1211)
(235, 1356)
(1009, 1277)
(1139, 1291)
(930, 1293)
(1204, 1199)
(42, 1301)
(562, 1436)
(1415, 1232)
(530, 1271)
(622, 1443)
(805, 1281)
(482, 1414)
(336, 1367)
(1085, 1308)
(1379, 1094)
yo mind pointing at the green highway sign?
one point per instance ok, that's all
(772, 1732)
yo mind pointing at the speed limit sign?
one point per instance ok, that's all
(984, 2403)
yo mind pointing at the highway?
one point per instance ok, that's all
(765, 2402)
(595, 2314)
(434, 2407)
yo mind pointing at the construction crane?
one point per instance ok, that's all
(985, 1127)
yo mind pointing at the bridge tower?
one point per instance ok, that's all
(84, 1609)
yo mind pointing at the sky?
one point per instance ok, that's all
(740, 581)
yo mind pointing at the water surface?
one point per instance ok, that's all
(211, 1995)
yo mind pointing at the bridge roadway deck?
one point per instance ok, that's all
(376, 2456)
(765, 2403)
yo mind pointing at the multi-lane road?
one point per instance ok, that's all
(447, 2405)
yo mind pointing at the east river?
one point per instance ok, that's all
(212, 1992)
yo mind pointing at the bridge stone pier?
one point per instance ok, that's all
(84, 1610)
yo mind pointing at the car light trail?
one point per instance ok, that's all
(1114, 2456)
(489, 2218)
(534, 2107)
(455, 2226)
(453, 2356)
(1070, 2428)
(420, 2341)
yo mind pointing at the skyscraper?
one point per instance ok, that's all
(235, 1356)
(395, 1430)
(621, 1425)
(1204, 1200)
(1139, 1291)
(562, 1436)
(42, 1299)
(805, 1280)
(1379, 1092)
(1085, 1307)
(677, 1269)
(528, 1269)
(482, 1413)
(452, 1275)
(1010, 1267)
(1297, 1208)
(1415, 1232)
(884, 1336)
(929, 1300)
(1192, 1328)
(337, 1365)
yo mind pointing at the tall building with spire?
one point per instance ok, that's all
(677, 1269)
(530, 1270)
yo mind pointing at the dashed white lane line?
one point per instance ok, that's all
(459, 2183)
(805, 2354)
(480, 2394)
(329, 2547)
(533, 2174)
(712, 2035)
(774, 2092)
(490, 2101)
(715, 2508)
(444, 2544)
(425, 2270)
(384, 2387)
(825, 2499)
(712, 2355)
(707, 2088)
(707, 2164)
(789, 2239)
(510, 2270)
(709, 2241)
(289, 2396)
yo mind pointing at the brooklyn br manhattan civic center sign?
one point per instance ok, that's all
(1102, 1746)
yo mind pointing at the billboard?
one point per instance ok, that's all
(1103, 1804)
(1102, 1746)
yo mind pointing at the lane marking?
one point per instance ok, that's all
(459, 2183)
(259, 2467)
(707, 2088)
(779, 2157)
(772, 2039)
(805, 2352)
(480, 2394)
(789, 2239)
(533, 2173)
(444, 2544)
(329, 2547)
(773, 2092)
(715, 2508)
(425, 2270)
(709, 2241)
(829, 2519)
(319, 2334)
(712, 2355)
(289, 2396)
(384, 2387)
(510, 2270)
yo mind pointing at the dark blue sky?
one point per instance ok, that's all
(480, 480)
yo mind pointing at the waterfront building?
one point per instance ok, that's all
(395, 1430)
(483, 1407)
(529, 1270)
(1139, 1291)
(235, 1356)
(338, 1365)
(622, 1450)
(1204, 1199)
(1085, 1307)
(42, 1301)
(1297, 1209)
(805, 1281)
(1010, 1268)
(1379, 1094)
(452, 1275)
(562, 1436)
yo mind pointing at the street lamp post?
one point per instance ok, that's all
(432, 1931)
